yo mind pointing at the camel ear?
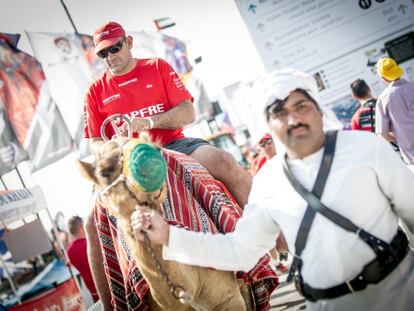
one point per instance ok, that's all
(87, 170)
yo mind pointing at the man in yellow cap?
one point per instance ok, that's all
(395, 108)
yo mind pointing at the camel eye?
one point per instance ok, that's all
(106, 174)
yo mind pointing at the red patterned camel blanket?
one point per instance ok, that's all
(195, 201)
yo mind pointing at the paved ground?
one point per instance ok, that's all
(285, 297)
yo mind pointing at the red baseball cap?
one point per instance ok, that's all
(265, 137)
(107, 35)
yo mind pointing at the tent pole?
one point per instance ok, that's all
(3, 183)
(20, 177)
(70, 17)
(9, 277)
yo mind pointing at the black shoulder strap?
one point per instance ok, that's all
(302, 236)
(314, 203)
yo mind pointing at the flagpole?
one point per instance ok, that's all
(70, 18)
(3, 183)
(20, 177)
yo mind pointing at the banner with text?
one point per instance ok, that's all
(65, 297)
(18, 204)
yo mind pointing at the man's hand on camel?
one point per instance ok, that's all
(137, 125)
(144, 219)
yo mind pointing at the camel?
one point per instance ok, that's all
(205, 289)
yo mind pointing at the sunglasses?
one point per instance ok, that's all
(280, 112)
(266, 142)
(113, 49)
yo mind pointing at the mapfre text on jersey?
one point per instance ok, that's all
(147, 111)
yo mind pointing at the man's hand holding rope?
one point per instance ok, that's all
(146, 220)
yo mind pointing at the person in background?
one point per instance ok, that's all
(395, 109)
(61, 237)
(77, 253)
(369, 266)
(266, 146)
(364, 118)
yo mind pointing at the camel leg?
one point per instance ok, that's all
(222, 292)
(152, 303)
(246, 293)
(234, 303)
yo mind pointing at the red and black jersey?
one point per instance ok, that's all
(364, 117)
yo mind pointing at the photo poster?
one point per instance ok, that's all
(334, 40)
(155, 44)
(69, 74)
(31, 110)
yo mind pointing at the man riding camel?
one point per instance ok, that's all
(154, 99)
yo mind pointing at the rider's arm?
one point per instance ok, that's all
(177, 117)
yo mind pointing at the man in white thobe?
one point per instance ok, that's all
(368, 184)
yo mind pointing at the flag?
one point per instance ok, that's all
(33, 114)
(163, 23)
(147, 44)
(68, 74)
(11, 152)
(154, 44)
(176, 54)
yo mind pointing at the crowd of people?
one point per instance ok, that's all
(336, 195)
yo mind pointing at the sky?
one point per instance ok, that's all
(213, 29)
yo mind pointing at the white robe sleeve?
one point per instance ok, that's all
(255, 234)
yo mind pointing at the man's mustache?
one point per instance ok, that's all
(293, 127)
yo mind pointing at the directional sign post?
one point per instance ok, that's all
(336, 40)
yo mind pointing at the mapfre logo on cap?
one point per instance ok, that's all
(108, 31)
(100, 35)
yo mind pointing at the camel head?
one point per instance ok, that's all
(127, 173)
